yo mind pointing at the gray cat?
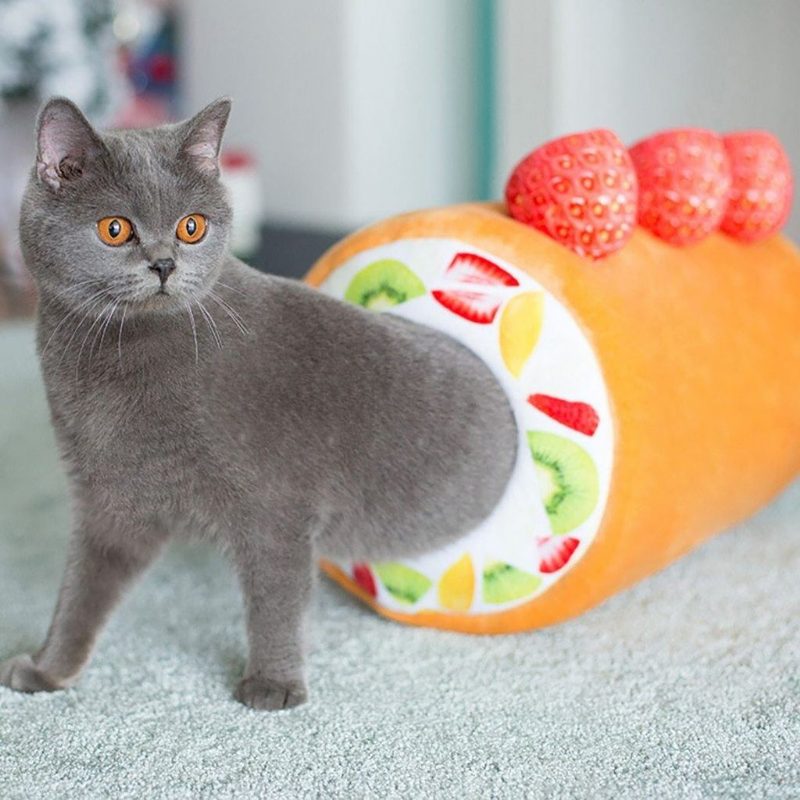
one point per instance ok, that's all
(190, 393)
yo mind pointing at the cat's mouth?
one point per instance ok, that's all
(159, 299)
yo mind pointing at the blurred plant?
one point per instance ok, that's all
(47, 47)
(56, 47)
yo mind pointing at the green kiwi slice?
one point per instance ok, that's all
(568, 479)
(404, 584)
(503, 583)
(384, 284)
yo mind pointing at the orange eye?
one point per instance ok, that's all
(114, 231)
(192, 229)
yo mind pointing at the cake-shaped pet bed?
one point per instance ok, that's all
(653, 368)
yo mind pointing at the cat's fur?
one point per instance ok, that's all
(302, 426)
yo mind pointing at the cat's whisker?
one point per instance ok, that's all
(70, 314)
(103, 328)
(194, 332)
(119, 335)
(232, 313)
(102, 318)
(96, 301)
(212, 326)
(73, 292)
(231, 288)
(225, 304)
(96, 320)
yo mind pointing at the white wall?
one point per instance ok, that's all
(281, 64)
(355, 108)
(411, 97)
(524, 82)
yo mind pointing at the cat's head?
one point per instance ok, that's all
(139, 216)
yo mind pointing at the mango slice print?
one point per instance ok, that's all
(457, 585)
(520, 326)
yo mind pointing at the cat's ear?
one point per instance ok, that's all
(67, 144)
(202, 136)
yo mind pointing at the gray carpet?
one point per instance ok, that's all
(687, 686)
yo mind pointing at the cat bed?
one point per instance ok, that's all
(656, 395)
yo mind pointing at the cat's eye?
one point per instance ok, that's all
(114, 231)
(192, 229)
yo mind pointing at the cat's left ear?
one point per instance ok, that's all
(202, 136)
(67, 145)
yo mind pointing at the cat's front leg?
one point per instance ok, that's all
(276, 569)
(98, 570)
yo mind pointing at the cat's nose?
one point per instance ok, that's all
(164, 267)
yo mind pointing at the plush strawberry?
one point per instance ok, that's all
(555, 552)
(580, 190)
(472, 268)
(364, 578)
(761, 192)
(684, 179)
(580, 417)
(473, 306)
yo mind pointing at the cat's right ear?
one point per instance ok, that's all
(202, 136)
(67, 144)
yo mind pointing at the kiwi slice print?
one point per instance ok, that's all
(568, 480)
(503, 583)
(404, 584)
(384, 284)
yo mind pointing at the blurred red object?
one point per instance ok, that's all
(142, 112)
(240, 175)
(237, 159)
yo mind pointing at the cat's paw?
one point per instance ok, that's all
(270, 695)
(22, 675)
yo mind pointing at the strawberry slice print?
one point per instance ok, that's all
(580, 417)
(472, 268)
(364, 578)
(555, 552)
(472, 306)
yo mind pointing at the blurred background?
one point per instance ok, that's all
(346, 111)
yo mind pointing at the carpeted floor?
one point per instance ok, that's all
(688, 686)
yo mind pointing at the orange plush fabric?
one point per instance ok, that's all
(700, 351)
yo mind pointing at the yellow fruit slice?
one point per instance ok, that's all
(520, 327)
(457, 585)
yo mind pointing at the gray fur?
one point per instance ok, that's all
(283, 424)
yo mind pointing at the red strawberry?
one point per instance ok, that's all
(580, 190)
(684, 179)
(472, 268)
(555, 552)
(364, 578)
(580, 417)
(761, 193)
(474, 306)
